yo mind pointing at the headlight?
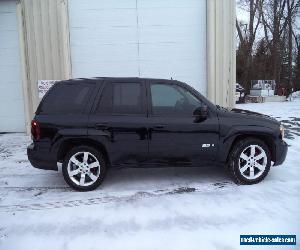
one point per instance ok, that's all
(282, 131)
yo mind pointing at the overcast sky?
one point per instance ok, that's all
(242, 15)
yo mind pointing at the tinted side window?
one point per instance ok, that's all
(121, 98)
(105, 105)
(172, 100)
(66, 98)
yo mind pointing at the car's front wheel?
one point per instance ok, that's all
(249, 161)
(84, 168)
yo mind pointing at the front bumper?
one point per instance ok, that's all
(281, 149)
(41, 158)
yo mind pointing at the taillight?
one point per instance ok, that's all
(35, 130)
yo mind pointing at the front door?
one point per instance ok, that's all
(119, 120)
(174, 134)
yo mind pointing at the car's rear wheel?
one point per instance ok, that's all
(84, 168)
(249, 161)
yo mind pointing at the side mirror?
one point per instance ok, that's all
(200, 113)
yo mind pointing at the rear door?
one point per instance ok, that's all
(174, 135)
(119, 121)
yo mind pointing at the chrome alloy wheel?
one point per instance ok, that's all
(253, 162)
(83, 168)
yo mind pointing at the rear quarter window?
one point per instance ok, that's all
(66, 98)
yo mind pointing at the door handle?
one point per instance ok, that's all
(101, 126)
(159, 126)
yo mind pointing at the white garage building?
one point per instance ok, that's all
(190, 40)
(12, 116)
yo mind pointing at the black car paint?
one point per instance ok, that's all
(148, 140)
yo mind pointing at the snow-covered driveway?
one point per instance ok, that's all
(173, 208)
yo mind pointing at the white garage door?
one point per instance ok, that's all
(146, 38)
(11, 95)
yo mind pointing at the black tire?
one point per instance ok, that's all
(102, 171)
(234, 158)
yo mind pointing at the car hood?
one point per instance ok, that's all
(242, 113)
(248, 112)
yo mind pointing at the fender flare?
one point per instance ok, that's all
(72, 136)
(226, 142)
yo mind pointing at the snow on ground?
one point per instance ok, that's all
(296, 94)
(173, 208)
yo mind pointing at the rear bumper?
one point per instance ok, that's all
(280, 152)
(41, 158)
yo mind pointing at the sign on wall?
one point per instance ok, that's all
(44, 86)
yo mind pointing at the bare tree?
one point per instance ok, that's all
(278, 18)
(247, 35)
(278, 51)
(272, 16)
(297, 62)
(292, 11)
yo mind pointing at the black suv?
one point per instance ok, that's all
(89, 125)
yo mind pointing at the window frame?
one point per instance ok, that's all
(168, 83)
(144, 112)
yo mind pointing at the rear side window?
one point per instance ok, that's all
(121, 98)
(66, 98)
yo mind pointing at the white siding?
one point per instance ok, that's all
(158, 38)
(12, 117)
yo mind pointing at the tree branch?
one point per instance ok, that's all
(240, 34)
(296, 39)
